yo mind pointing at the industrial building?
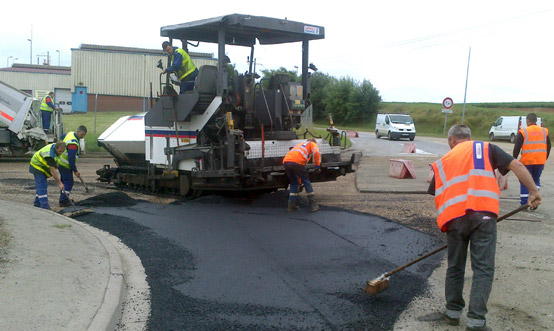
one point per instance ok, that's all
(101, 78)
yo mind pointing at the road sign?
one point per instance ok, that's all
(447, 103)
(447, 111)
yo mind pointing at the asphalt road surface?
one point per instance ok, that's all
(222, 263)
(371, 146)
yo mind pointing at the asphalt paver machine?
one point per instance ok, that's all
(227, 134)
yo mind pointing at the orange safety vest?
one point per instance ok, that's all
(465, 180)
(533, 150)
(303, 152)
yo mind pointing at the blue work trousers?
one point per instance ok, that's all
(46, 119)
(478, 231)
(296, 173)
(187, 84)
(67, 180)
(535, 170)
(41, 184)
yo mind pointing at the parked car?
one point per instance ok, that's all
(395, 126)
(506, 127)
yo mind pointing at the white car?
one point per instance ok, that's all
(395, 126)
(507, 127)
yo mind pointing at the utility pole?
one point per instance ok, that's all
(31, 40)
(58, 57)
(467, 77)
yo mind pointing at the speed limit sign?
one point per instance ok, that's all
(447, 103)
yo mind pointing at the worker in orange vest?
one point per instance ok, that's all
(467, 201)
(295, 167)
(534, 143)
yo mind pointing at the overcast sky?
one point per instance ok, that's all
(411, 51)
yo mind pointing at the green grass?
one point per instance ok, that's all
(62, 226)
(429, 119)
(103, 121)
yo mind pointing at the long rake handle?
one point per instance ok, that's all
(501, 218)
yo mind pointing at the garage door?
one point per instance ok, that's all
(62, 97)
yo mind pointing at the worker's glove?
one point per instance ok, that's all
(317, 170)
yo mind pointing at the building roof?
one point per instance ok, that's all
(41, 69)
(134, 50)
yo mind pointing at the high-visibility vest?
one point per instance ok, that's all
(70, 139)
(303, 152)
(465, 180)
(38, 161)
(533, 150)
(187, 66)
(44, 105)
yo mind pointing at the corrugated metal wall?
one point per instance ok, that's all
(36, 81)
(120, 74)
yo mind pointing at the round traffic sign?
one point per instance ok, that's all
(447, 103)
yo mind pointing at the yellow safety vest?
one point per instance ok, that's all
(38, 161)
(70, 139)
(187, 66)
(44, 105)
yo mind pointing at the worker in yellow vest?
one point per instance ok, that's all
(534, 144)
(43, 165)
(182, 65)
(47, 107)
(467, 201)
(68, 162)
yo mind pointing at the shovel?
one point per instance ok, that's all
(74, 211)
(85, 185)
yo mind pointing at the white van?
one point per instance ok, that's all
(506, 127)
(395, 126)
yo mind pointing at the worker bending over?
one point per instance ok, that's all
(295, 167)
(467, 201)
(43, 165)
(68, 162)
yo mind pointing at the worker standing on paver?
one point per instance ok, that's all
(534, 144)
(467, 201)
(182, 65)
(295, 167)
(43, 165)
(47, 107)
(68, 162)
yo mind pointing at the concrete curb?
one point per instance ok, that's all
(109, 313)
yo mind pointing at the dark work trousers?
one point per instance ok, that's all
(535, 170)
(187, 84)
(41, 183)
(295, 171)
(478, 231)
(46, 118)
(67, 180)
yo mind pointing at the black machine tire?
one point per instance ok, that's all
(377, 134)
(513, 138)
(491, 136)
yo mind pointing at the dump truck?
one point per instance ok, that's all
(225, 134)
(21, 123)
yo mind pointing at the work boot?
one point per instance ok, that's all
(313, 203)
(292, 206)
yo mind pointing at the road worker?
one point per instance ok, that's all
(182, 65)
(534, 144)
(47, 107)
(43, 165)
(467, 201)
(295, 167)
(67, 162)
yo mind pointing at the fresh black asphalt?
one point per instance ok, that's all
(220, 263)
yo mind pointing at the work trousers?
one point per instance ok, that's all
(535, 170)
(46, 119)
(187, 84)
(295, 172)
(41, 184)
(478, 231)
(67, 180)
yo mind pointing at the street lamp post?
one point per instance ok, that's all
(8, 61)
(31, 56)
(58, 57)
